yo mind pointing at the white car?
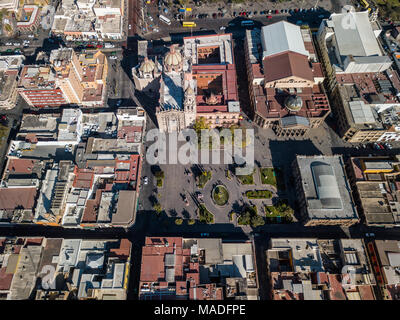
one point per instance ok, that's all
(16, 43)
(31, 36)
(113, 57)
(129, 27)
(146, 180)
(9, 44)
(222, 28)
(151, 18)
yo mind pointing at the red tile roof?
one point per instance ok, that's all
(12, 198)
(5, 279)
(21, 166)
(83, 178)
(287, 64)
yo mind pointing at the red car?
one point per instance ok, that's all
(269, 17)
(99, 46)
(276, 11)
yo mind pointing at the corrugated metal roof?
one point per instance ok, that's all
(280, 37)
(354, 34)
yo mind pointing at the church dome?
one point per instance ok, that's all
(173, 58)
(147, 66)
(293, 103)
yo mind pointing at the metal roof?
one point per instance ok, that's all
(326, 185)
(354, 34)
(280, 37)
(170, 274)
(169, 260)
(361, 112)
(291, 121)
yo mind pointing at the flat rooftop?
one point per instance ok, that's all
(326, 188)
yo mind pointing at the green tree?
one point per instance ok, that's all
(257, 221)
(157, 207)
(200, 124)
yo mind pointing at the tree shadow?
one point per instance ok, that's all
(173, 213)
(185, 214)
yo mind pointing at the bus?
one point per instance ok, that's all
(165, 19)
(189, 24)
(365, 4)
(246, 23)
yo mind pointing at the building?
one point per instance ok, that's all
(285, 79)
(362, 85)
(64, 269)
(197, 269)
(80, 170)
(385, 262)
(88, 20)
(81, 77)
(323, 191)
(28, 18)
(10, 67)
(198, 80)
(11, 5)
(312, 269)
(376, 186)
(37, 86)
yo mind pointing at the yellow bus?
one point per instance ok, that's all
(365, 4)
(189, 24)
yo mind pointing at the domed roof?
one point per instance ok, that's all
(173, 57)
(147, 66)
(293, 103)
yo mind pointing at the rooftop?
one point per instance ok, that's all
(326, 188)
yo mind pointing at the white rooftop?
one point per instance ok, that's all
(354, 34)
(280, 37)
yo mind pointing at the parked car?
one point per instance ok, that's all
(145, 180)
(269, 17)
(222, 28)
(113, 57)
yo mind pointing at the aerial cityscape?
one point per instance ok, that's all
(200, 150)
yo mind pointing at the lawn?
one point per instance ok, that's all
(281, 210)
(205, 216)
(247, 179)
(220, 195)
(203, 178)
(258, 194)
(274, 177)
